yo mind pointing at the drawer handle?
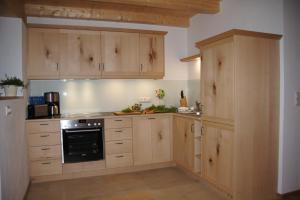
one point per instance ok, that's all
(119, 156)
(151, 118)
(118, 120)
(44, 149)
(44, 136)
(118, 131)
(46, 163)
(119, 143)
(44, 124)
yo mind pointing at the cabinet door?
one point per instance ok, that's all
(152, 55)
(178, 148)
(217, 155)
(43, 54)
(161, 140)
(81, 53)
(189, 154)
(217, 76)
(142, 147)
(120, 54)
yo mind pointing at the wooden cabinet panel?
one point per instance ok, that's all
(43, 126)
(152, 55)
(118, 123)
(45, 152)
(119, 160)
(44, 58)
(117, 147)
(218, 155)
(161, 139)
(43, 139)
(81, 53)
(48, 167)
(118, 134)
(120, 54)
(217, 89)
(184, 142)
(142, 145)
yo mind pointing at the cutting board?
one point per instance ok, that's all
(127, 113)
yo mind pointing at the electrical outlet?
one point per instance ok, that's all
(144, 99)
(297, 98)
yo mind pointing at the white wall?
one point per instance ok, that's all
(13, 145)
(289, 174)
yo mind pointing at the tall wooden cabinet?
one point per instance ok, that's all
(240, 93)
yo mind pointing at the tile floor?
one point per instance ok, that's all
(160, 184)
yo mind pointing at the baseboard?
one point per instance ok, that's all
(27, 190)
(289, 194)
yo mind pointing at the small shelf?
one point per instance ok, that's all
(11, 98)
(190, 58)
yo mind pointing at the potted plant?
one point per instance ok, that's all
(11, 84)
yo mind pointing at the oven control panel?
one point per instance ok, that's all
(81, 123)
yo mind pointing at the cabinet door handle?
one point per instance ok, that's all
(44, 124)
(160, 136)
(210, 160)
(118, 131)
(45, 149)
(151, 118)
(218, 149)
(118, 120)
(141, 68)
(192, 128)
(46, 163)
(103, 66)
(99, 67)
(119, 143)
(57, 66)
(119, 156)
(202, 131)
(44, 136)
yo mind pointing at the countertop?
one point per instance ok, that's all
(111, 115)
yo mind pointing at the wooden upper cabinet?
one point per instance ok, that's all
(152, 55)
(81, 54)
(44, 56)
(218, 155)
(217, 76)
(120, 54)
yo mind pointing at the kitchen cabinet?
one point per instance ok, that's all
(217, 155)
(120, 54)
(44, 54)
(184, 143)
(152, 141)
(81, 54)
(65, 53)
(118, 142)
(44, 148)
(152, 55)
(240, 93)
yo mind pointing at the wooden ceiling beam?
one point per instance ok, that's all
(105, 14)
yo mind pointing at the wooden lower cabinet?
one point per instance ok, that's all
(45, 167)
(218, 155)
(184, 142)
(151, 140)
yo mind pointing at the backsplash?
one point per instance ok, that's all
(78, 96)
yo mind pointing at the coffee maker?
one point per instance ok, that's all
(52, 99)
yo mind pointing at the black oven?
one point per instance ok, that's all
(82, 140)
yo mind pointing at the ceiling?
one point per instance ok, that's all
(160, 12)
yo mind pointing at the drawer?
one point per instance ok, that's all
(116, 147)
(119, 160)
(48, 167)
(118, 123)
(46, 126)
(118, 134)
(44, 139)
(45, 152)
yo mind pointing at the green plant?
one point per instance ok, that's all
(160, 93)
(12, 81)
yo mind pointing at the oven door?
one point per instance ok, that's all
(81, 145)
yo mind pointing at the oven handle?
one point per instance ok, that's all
(86, 130)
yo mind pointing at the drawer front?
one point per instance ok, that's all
(117, 147)
(48, 167)
(119, 160)
(45, 152)
(118, 134)
(47, 126)
(118, 123)
(44, 139)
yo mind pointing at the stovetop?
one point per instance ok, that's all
(86, 115)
